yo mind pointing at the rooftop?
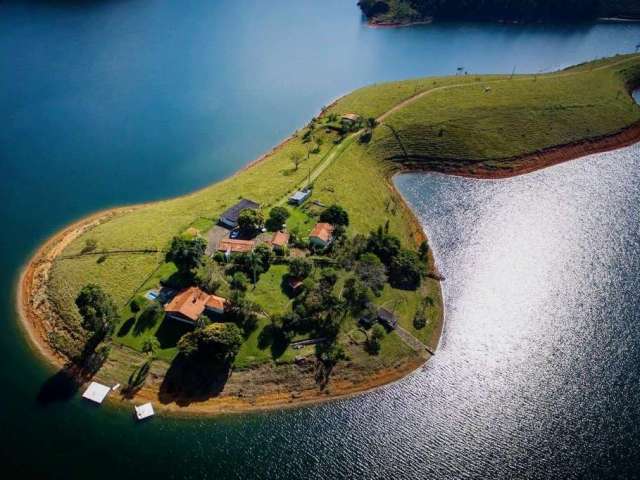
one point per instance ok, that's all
(354, 117)
(216, 302)
(189, 303)
(280, 239)
(236, 246)
(96, 392)
(233, 213)
(323, 231)
(144, 411)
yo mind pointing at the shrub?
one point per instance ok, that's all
(375, 338)
(419, 320)
(89, 246)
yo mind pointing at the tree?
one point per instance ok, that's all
(385, 246)
(151, 346)
(207, 275)
(300, 267)
(328, 278)
(250, 221)
(335, 215)
(186, 253)
(356, 294)
(242, 311)
(375, 339)
(420, 320)
(371, 271)
(239, 282)
(296, 158)
(215, 343)
(405, 270)
(202, 321)
(423, 250)
(97, 309)
(277, 217)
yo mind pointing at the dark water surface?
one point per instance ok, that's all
(112, 102)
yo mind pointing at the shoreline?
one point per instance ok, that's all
(531, 162)
(371, 23)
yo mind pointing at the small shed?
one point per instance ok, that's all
(144, 411)
(350, 118)
(387, 318)
(299, 197)
(96, 392)
(280, 240)
(321, 235)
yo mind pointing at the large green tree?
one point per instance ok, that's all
(186, 253)
(97, 309)
(217, 343)
(335, 215)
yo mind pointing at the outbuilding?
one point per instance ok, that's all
(321, 235)
(299, 197)
(230, 217)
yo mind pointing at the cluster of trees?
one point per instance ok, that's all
(511, 10)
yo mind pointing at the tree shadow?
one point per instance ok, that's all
(179, 280)
(271, 337)
(60, 387)
(125, 328)
(64, 384)
(146, 321)
(191, 380)
(171, 331)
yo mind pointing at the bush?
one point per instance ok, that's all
(335, 215)
(89, 246)
(135, 305)
(419, 320)
(328, 277)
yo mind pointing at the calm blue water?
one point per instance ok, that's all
(112, 102)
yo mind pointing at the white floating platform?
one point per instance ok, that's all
(144, 411)
(96, 392)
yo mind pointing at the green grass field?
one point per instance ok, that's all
(465, 118)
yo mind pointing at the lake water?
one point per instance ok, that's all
(112, 102)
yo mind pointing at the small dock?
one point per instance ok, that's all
(144, 411)
(96, 392)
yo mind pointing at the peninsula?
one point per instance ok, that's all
(407, 12)
(304, 276)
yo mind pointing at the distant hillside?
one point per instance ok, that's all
(408, 11)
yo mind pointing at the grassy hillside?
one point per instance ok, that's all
(407, 11)
(459, 119)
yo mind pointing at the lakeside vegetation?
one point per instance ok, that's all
(410, 11)
(461, 119)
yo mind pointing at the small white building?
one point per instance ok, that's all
(144, 411)
(96, 392)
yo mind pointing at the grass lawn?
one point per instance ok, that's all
(300, 222)
(268, 292)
